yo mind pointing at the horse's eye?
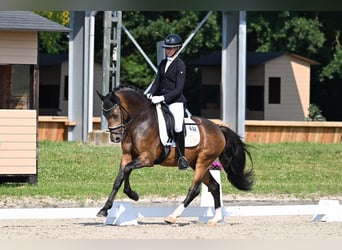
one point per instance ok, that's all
(106, 114)
(115, 116)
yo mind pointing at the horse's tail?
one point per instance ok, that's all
(233, 159)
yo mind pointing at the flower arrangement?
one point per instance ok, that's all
(216, 165)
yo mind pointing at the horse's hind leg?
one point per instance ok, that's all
(214, 189)
(194, 191)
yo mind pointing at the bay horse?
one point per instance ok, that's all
(132, 120)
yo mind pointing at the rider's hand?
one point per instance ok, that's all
(157, 99)
(149, 96)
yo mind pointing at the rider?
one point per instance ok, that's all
(168, 86)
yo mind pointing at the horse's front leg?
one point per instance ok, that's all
(141, 161)
(116, 186)
(127, 187)
(124, 174)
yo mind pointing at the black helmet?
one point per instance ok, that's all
(172, 41)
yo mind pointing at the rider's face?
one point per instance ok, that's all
(170, 51)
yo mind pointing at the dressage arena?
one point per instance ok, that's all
(60, 223)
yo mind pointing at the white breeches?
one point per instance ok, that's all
(177, 109)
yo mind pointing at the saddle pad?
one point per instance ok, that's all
(192, 137)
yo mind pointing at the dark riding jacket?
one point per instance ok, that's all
(170, 84)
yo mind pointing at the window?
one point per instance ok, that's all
(20, 85)
(255, 98)
(274, 90)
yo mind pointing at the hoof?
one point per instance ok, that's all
(212, 223)
(170, 220)
(133, 195)
(102, 213)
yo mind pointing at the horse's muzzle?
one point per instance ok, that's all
(114, 137)
(116, 133)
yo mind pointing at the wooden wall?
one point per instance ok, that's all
(291, 131)
(18, 142)
(55, 128)
(18, 47)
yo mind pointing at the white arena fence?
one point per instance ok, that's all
(124, 213)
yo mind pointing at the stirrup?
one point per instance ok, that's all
(182, 163)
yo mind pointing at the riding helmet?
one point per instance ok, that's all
(172, 41)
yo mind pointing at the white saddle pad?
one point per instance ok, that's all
(192, 137)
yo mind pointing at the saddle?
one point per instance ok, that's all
(166, 125)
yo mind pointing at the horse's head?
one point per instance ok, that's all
(115, 115)
(120, 108)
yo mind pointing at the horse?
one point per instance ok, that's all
(132, 120)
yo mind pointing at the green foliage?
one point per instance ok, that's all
(285, 31)
(259, 33)
(335, 65)
(315, 113)
(308, 38)
(311, 34)
(315, 35)
(134, 71)
(148, 28)
(54, 42)
(79, 171)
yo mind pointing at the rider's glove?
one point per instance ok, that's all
(157, 99)
(149, 96)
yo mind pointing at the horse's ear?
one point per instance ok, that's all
(100, 95)
(114, 98)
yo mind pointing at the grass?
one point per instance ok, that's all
(301, 169)
(78, 171)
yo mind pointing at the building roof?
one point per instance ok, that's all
(253, 58)
(28, 21)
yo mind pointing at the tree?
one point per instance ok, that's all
(334, 67)
(150, 27)
(54, 42)
(330, 55)
(312, 34)
(315, 35)
(285, 31)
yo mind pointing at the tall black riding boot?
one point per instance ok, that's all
(182, 162)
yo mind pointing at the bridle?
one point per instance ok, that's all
(124, 123)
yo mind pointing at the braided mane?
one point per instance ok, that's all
(128, 86)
